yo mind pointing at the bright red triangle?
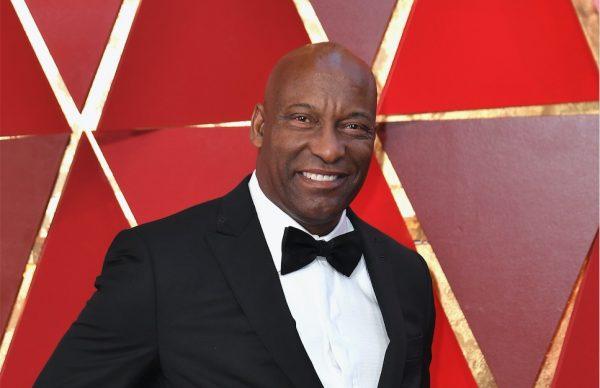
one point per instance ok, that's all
(28, 105)
(192, 62)
(470, 54)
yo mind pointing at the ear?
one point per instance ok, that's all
(257, 125)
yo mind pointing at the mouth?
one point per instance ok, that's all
(322, 179)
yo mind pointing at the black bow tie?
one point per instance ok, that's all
(300, 249)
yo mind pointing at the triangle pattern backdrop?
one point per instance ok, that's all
(189, 62)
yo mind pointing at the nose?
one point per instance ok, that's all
(327, 144)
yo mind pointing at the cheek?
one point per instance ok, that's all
(361, 156)
(280, 163)
(286, 150)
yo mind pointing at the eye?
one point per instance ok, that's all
(356, 127)
(358, 130)
(301, 119)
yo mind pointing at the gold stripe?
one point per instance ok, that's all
(111, 180)
(311, 22)
(588, 18)
(570, 108)
(59, 185)
(13, 137)
(57, 84)
(393, 181)
(94, 104)
(36, 250)
(96, 99)
(468, 344)
(548, 368)
(386, 53)
(16, 311)
(482, 373)
(225, 124)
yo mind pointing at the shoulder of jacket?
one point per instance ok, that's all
(195, 218)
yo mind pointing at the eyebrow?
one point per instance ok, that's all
(301, 105)
(360, 114)
(355, 114)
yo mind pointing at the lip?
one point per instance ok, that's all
(322, 172)
(324, 185)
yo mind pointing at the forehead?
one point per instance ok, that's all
(319, 85)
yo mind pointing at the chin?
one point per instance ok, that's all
(320, 215)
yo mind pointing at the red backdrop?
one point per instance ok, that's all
(509, 205)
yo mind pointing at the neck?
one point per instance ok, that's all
(318, 228)
(321, 229)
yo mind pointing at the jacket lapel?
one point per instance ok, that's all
(382, 279)
(243, 255)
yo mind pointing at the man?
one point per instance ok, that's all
(276, 284)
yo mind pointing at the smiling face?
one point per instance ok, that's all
(315, 134)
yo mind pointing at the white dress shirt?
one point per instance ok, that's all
(337, 317)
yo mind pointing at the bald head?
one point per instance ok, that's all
(319, 59)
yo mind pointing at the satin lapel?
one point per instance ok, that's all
(382, 279)
(243, 255)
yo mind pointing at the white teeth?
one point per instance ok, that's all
(319, 177)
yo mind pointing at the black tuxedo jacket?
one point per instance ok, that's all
(194, 300)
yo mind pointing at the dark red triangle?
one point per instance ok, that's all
(493, 197)
(358, 25)
(28, 169)
(76, 34)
